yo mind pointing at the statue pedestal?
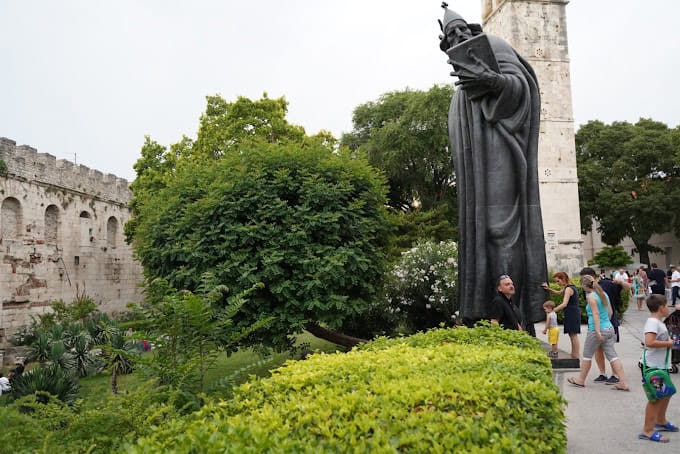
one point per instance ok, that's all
(563, 360)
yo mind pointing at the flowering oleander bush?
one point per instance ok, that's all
(421, 288)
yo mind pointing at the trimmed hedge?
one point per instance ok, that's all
(447, 390)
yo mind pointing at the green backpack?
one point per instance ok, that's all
(656, 382)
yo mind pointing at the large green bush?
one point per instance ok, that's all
(453, 390)
(308, 223)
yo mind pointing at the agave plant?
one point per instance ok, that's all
(84, 359)
(41, 348)
(61, 357)
(99, 326)
(57, 332)
(50, 379)
(73, 331)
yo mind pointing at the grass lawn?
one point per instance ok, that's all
(238, 367)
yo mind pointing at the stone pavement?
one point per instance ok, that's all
(601, 419)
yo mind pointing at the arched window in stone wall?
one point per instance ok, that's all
(111, 231)
(11, 218)
(52, 224)
(86, 230)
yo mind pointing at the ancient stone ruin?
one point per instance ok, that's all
(61, 235)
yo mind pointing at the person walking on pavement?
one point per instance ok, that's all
(613, 291)
(675, 284)
(643, 274)
(657, 280)
(639, 289)
(600, 334)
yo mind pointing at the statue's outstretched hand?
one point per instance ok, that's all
(475, 75)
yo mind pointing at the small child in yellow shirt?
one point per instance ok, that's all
(551, 327)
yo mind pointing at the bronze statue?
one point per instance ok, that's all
(493, 129)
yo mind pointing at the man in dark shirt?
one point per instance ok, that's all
(504, 311)
(657, 280)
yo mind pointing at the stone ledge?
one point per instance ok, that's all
(563, 360)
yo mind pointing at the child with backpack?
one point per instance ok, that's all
(657, 384)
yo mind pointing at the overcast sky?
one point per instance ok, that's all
(86, 80)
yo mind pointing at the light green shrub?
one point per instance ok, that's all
(471, 390)
(41, 423)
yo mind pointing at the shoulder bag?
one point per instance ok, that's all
(656, 382)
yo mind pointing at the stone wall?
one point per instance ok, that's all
(61, 235)
(667, 243)
(537, 29)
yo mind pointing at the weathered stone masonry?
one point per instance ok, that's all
(537, 29)
(61, 234)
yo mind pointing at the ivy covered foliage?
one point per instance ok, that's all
(447, 390)
(308, 223)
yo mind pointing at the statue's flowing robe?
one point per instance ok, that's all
(495, 140)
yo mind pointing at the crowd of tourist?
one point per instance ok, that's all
(653, 287)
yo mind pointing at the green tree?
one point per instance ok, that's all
(405, 134)
(153, 168)
(628, 180)
(226, 126)
(308, 223)
(612, 257)
(189, 330)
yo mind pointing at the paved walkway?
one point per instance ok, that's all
(603, 420)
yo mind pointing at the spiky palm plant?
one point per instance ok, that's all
(73, 331)
(99, 326)
(84, 359)
(119, 356)
(60, 356)
(41, 348)
(50, 379)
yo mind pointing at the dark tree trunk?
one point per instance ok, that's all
(114, 382)
(643, 249)
(332, 336)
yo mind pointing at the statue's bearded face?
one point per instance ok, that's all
(456, 32)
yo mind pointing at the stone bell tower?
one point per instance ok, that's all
(537, 29)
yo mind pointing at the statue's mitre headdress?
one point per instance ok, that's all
(449, 16)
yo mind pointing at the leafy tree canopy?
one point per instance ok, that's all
(628, 180)
(307, 222)
(405, 134)
(227, 126)
(612, 257)
(224, 127)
